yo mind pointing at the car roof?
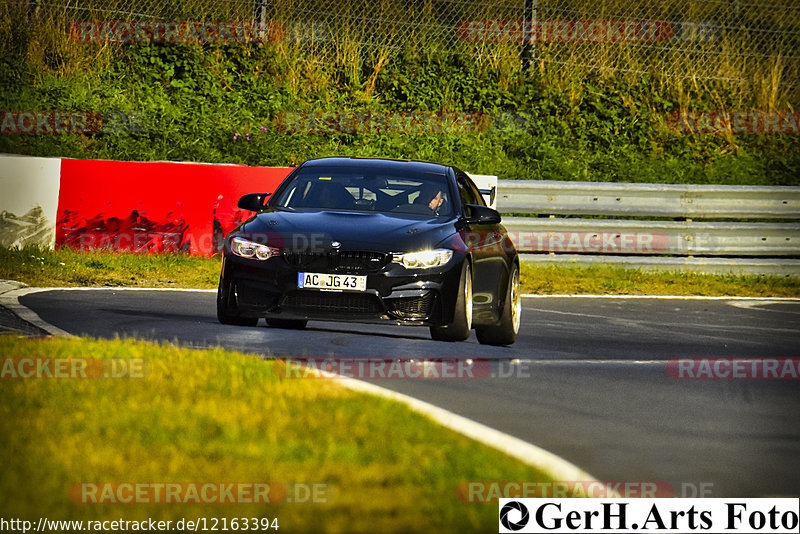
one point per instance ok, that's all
(379, 163)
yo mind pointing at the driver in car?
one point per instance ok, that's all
(430, 195)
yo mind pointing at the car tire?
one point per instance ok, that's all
(228, 314)
(292, 324)
(505, 332)
(459, 329)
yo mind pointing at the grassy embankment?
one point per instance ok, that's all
(595, 111)
(197, 416)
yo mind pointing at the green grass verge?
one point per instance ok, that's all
(42, 267)
(220, 416)
(46, 268)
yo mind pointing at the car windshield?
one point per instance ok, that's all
(359, 189)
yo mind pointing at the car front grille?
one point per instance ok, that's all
(345, 261)
(412, 307)
(323, 301)
(359, 260)
(307, 260)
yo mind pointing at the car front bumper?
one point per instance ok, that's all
(393, 294)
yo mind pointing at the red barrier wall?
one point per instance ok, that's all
(155, 207)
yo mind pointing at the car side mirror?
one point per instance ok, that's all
(253, 201)
(482, 215)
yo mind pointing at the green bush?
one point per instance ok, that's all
(218, 103)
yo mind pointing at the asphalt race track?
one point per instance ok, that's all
(586, 380)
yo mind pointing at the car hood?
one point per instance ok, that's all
(354, 230)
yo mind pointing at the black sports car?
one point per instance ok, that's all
(373, 240)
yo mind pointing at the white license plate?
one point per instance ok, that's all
(332, 282)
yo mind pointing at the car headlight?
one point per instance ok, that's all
(248, 249)
(424, 259)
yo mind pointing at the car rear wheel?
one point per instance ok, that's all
(293, 324)
(459, 329)
(227, 313)
(505, 332)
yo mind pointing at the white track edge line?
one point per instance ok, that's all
(546, 461)
(187, 289)
(10, 300)
(659, 297)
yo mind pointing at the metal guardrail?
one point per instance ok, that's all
(674, 263)
(595, 236)
(648, 200)
(744, 247)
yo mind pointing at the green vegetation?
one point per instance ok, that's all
(221, 103)
(36, 266)
(219, 416)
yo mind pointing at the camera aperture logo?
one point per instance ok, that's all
(514, 515)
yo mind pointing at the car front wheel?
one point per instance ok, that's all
(459, 329)
(227, 312)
